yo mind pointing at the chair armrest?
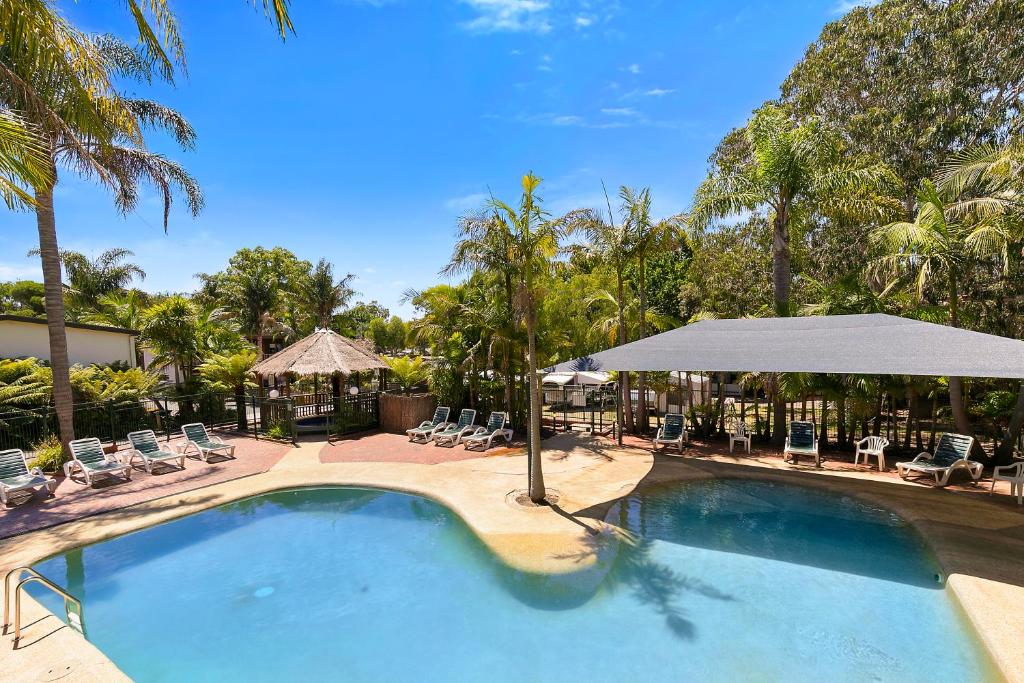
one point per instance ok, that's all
(922, 456)
(216, 439)
(35, 471)
(787, 442)
(425, 424)
(1019, 466)
(863, 443)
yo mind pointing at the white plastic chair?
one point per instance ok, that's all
(739, 434)
(871, 446)
(1015, 475)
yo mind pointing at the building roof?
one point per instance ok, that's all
(873, 344)
(325, 352)
(77, 326)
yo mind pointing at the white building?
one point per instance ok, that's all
(23, 337)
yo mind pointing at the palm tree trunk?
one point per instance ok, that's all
(781, 276)
(53, 291)
(641, 379)
(536, 483)
(911, 405)
(627, 398)
(956, 387)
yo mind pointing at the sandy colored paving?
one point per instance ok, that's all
(978, 541)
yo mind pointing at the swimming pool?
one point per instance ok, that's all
(729, 580)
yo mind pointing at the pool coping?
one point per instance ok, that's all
(538, 540)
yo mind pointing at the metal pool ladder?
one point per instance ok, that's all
(72, 605)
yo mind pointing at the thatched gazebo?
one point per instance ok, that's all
(325, 353)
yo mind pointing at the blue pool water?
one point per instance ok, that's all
(728, 581)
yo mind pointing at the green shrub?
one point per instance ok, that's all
(278, 431)
(49, 454)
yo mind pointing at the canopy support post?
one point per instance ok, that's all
(618, 415)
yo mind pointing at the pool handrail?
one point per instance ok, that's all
(76, 618)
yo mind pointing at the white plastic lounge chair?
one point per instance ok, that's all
(802, 440)
(15, 476)
(483, 437)
(199, 441)
(1015, 475)
(451, 436)
(88, 458)
(144, 446)
(739, 435)
(672, 432)
(871, 446)
(425, 432)
(951, 454)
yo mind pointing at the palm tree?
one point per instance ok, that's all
(231, 372)
(611, 243)
(120, 309)
(23, 160)
(789, 170)
(39, 40)
(485, 247)
(91, 279)
(533, 239)
(169, 327)
(98, 134)
(408, 372)
(941, 244)
(646, 239)
(324, 296)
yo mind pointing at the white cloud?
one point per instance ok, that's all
(17, 271)
(620, 111)
(466, 202)
(567, 120)
(633, 69)
(583, 21)
(369, 269)
(515, 16)
(658, 92)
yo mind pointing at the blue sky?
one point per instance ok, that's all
(363, 137)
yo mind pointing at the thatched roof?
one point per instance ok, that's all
(324, 352)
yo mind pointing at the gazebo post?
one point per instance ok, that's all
(316, 391)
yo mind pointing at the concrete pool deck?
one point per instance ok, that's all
(978, 541)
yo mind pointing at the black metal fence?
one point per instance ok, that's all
(586, 408)
(112, 421)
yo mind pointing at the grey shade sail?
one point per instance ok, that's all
(872, 344)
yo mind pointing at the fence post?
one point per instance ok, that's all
(291, 421)
(565, 409)
(255, 420)
(110, 416)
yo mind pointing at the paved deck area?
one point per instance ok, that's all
(978, 540)
(383, 447)
(73, 499)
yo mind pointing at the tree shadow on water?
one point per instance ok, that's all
(628, 562)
